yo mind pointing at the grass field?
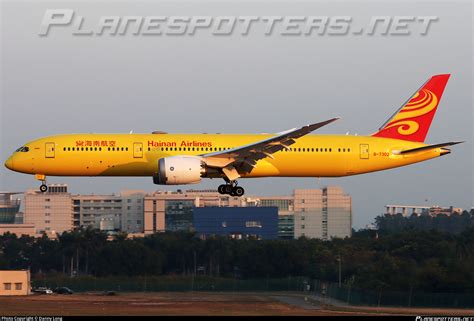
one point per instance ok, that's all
(192, 303)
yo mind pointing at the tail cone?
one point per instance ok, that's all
(445, 151)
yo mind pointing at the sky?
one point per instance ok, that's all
(65, 83)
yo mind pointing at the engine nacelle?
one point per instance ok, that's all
(177, 170)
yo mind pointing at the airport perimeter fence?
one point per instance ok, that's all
(326, 292)
(347, 294)
(170, 284)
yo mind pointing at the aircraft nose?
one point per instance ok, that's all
(9, 163)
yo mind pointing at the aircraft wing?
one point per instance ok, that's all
(243, 159)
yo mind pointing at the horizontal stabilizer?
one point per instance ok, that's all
(424, 148)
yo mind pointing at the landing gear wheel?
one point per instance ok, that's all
(231, 188)
(43, 188)
(238, 191)
(221, 189)
(228, 189)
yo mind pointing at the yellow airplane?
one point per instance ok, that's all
(174, 159)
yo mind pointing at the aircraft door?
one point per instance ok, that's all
(137, 150)
(49, 150)
(364, 151)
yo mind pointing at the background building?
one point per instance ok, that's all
(18, 229)
(432, 210)
(286, 215)
(286, 226)
(50, 212)
(314, 213)
(98, 211)
(9, 207)
(132, 220)
(10, 217)
(322, 213)
(15, 282)
(173, 211)
(237, 222)
(110, 212)
(57, 211)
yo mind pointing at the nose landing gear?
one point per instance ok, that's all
(231, 188)
(43, 188)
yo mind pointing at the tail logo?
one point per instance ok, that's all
(422, 103)
(412, 121)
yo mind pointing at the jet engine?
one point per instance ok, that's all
(177, 170)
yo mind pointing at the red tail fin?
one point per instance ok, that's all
(412, 121)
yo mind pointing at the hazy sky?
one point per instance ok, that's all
(63, 83)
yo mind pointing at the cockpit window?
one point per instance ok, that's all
(23, 149)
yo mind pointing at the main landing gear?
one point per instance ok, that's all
(231, 188)
(43, 188)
